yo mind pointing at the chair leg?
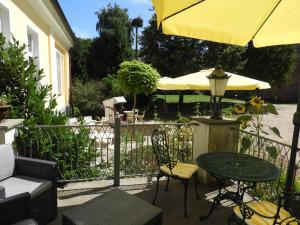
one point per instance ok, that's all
(167, 185)
(186, 185)
(196, 185)
(157, 186)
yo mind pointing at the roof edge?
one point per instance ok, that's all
(60, 12)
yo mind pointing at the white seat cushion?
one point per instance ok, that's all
(7, 161)
(22, 184)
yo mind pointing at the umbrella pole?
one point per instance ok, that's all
(290, 176)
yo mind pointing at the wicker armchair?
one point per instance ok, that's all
(170, 168)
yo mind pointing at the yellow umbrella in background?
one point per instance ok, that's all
(199, 81)
(266, 23)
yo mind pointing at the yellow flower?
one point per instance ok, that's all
(239, 109)
(244, 124)
(256, 101)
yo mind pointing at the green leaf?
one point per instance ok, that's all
(244, 118)
(271, 109)
(273, 152)
(245, 144)
(275, 131)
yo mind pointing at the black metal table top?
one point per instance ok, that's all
(239, 167)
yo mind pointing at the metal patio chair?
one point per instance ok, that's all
(286, 212)
(169, 168)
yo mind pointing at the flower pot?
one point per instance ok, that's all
(4, 111)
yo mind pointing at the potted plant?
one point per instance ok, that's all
(4, 107)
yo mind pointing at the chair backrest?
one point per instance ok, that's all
(7, 161)
(292, 204)
(160, 147)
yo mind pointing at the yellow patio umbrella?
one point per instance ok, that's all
(199, 81)
(265, 23)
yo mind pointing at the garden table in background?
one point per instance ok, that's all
(241, 168)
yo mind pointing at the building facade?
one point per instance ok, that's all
(43, 28)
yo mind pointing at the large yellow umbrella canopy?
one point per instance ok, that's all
(265, 22)
(199, 81)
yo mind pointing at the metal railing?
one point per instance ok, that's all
(272, 151)
(85, 152)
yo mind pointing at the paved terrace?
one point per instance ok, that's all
(171, 202)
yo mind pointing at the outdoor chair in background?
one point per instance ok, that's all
(131, 117)
(286, 212)
(140, 117)
(72, 121)
(169, 168)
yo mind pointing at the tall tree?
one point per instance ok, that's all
(114, 44)
(170, 55)
(175, 56)
(273, 64)
(230, 57)
(80, 54)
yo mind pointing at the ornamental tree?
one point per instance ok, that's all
(135, 77)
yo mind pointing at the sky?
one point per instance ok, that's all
(81, 13)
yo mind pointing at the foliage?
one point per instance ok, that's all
(112, 85)
(170, 55)
(175, 56)
(135, 77)
(137, 22)
(273, 64)
(20, 81)
(32, 101)
(183, 120)
(114, 44)
(80, 58)
(253, 121)
(227, 111)
(88, 96)
(230, 57)
(4, 100)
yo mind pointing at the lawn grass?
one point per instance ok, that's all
(193, 98)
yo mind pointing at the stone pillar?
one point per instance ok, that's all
(214, 136)
(7, 130)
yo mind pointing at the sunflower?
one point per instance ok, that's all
(256, 102)
(244, 124)
(239, 109)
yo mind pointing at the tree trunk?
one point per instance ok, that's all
(134, 106)
(180, 101)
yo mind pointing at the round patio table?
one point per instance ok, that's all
(238, 167)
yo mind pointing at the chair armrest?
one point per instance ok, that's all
(247, 212)
(15, 208)
(36, 168)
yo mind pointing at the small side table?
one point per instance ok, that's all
(115, 207)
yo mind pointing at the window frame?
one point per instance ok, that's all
(59, 71)
(5, 22)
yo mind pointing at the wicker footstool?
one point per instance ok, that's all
(115, 207)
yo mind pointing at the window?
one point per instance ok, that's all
(4, 22)
(59, 57)
(1, 25)
(32, 45)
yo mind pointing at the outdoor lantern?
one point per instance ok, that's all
(217, 81)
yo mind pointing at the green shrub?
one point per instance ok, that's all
(135, 77)
(88, 97)
(72, 149)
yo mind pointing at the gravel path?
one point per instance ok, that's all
(283, 122)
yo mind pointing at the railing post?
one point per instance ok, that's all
(117, 140)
